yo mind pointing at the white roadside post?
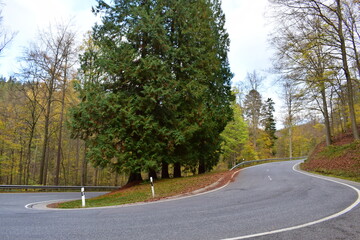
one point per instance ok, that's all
(83, 197)
(152, 187)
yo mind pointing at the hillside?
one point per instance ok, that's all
(341, 159)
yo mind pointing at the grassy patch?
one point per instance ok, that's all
(335, 151)
(337, 174)
(142, 192)
(341, 160)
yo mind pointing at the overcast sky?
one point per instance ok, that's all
(245, 23)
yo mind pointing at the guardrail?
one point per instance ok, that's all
(268, 159)
(108, 188)
(99, 188)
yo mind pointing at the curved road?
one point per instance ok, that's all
(262, 199)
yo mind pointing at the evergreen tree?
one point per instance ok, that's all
(157, 90)
(252, 113)
(268, 122)
(201, 69)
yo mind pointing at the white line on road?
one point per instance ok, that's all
(30, 205)
(174, 198)
(349, 208)
(269, 178)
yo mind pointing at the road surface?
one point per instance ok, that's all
(262, 200)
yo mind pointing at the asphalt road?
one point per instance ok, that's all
(264, 198)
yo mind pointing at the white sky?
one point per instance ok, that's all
(245, 23)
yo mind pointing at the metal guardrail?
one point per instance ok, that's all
(107, 188)
(268, 159)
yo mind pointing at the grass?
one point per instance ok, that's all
(142, 192)
(337, 174)
(335, 151)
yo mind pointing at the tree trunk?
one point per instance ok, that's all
(77, 156)
(44, 154)
(116, 178)
(46, 166)
(28, 156)
(64, 171)
(290, 142)
(255, 138)
(349, 84)
(95, 179)
(134, 177)
(202, 167)
(58, 155)
(58, 159)
(12, 166)
(152, 173)
(84, 169)
(165, 170)
(177, 170)
(326, 116)
(1, 153)
(21, 166)
(34, 168)
(352, 30)
(332, 114)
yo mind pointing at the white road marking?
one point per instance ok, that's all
(257, 234)
(269, 178)
(174, 198)
(30, 205)
(349, 208)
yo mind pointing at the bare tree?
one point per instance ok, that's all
(329, 42)
(31, 90)
(5, 35)
(69, 58)
(47, 60)
(352, 20)
(344, 55)
(254, 80)
(293, 106)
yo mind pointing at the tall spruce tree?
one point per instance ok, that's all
(161, 91)
(252, 112)
(268, 122)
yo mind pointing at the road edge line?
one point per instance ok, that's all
(346, 210)
(31, 205)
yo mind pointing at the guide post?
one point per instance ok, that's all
(152, 187)
(83, 197)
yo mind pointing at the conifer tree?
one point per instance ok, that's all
(268, 121)
(252, 113)
(160, 86)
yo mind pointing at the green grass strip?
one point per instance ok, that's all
(142, 192)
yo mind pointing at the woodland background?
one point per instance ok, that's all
(317, 66)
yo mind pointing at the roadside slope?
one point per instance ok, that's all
(341, 159)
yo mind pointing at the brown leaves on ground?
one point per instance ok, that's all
(342, 157)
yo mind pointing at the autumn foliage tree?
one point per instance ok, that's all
(315, 42)
(235, 136)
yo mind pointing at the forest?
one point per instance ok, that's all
(148, 93)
